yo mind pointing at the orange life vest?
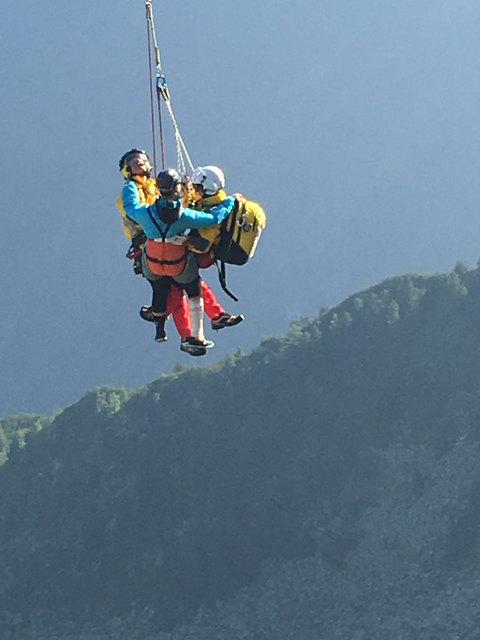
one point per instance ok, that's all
(166, 256)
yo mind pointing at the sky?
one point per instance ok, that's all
(355, 125)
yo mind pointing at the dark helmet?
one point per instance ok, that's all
(168, 182)
(123, 162)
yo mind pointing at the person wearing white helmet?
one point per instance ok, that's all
(209, 180)
(208, 191)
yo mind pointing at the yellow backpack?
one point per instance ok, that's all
(234, 240)
(238, 237)
(240, 232)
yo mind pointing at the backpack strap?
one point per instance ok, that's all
(164, 235)
(222, 277)
(231, 222)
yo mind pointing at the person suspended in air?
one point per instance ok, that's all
(165, 225)
(206, 190)
(136, 168)
(232, 242)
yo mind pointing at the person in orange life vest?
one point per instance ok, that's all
(212, 307)
(207, 190)
(135, 165)
(165, 224)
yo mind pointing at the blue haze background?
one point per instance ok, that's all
(356, 124)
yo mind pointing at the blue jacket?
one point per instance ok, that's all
(189, 218)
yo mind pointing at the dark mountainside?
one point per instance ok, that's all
(326, 486)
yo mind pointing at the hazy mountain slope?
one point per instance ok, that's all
(325, 486)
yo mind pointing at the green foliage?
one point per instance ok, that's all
(325, 485)
(4, 446)
(110, 400)
(16, 429)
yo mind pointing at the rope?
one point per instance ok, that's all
(152, 111)
(182, 153)
(164, 93)
(160, 126)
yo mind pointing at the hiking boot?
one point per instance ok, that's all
(195, 347)
(206, 344)
(147, 314)
(226, 320)
(192, 349)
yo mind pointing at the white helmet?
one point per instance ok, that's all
(211, 178)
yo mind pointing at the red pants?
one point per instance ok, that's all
(177, 305)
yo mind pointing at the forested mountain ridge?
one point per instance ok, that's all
(15, 431)
(324, 486)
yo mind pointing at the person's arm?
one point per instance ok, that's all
(134, 209)
(201, 219)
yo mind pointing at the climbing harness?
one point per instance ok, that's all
(159, 87)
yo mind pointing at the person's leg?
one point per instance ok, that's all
(160, 291)
(178, 307)
(189, 281)
(196, 305)
(214, 310)
(157, 312)
(213, 307)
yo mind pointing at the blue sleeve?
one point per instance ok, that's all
(132, 205)
(199, 219)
